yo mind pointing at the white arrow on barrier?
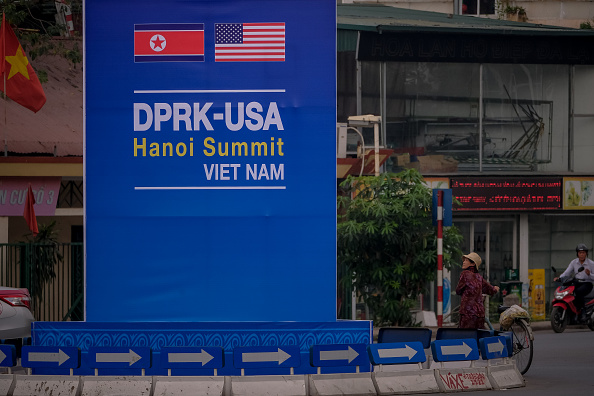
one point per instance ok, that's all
(2, 356)
(397, 352)
(54, 357)
(348, 354)
(456, 349)
(495, 347)
(255, 357)
(126, 357)
(198, 357)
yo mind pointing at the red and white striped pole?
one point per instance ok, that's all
(439, 258)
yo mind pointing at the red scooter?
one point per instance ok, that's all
(564, 311)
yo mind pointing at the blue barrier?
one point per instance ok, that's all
(405, 334)
(50, 356)
(336, 355)
(266, 356)
(444, 333)
(509, 336)
(192, 357)
(226, 335)
(120, 357)
(454, 350)
(397, 353)
(7, 355)
(493, 347)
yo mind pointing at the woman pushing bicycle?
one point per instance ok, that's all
(471, 287)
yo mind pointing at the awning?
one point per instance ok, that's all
(395, 34)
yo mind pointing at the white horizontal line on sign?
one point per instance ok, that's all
(215, 188)
(152, 91)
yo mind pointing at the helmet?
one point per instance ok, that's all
(580, 247)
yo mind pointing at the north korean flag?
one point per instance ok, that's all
(169, 42)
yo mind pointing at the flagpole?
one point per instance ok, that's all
(4, 82)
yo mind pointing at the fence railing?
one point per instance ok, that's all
(61, 297)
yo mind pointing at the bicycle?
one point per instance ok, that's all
(521, 335)
(522, 339)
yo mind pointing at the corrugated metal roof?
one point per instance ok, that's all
(375, 17)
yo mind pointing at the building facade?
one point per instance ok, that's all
(499, 111)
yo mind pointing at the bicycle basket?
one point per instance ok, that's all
(507, 317)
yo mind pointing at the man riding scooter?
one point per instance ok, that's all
(583, 270)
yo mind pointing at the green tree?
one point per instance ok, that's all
(387, 244)
(44, 258)
(33, 22)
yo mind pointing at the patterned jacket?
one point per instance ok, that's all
(471, 287)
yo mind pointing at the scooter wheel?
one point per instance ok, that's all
(557, 323)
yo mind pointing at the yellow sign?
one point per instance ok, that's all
(577, 193)
(537, 293)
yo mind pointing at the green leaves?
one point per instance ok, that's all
(387, 243)
(43, 256)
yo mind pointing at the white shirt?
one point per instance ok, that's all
(575, 265)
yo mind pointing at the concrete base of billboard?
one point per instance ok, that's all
(505, 376)
(341, 384)
(6, 383)
(462, 379)
(63, 385)
(115, 385)
(405, 382)
(272, 385)
(207, 386)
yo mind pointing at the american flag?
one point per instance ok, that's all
(249, 42)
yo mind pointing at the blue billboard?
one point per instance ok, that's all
(210, 171)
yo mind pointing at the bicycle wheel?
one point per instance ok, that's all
(522, 345)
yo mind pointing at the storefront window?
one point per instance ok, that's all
(583, 120)
(432, 114)
(438, 120)
(523, 105)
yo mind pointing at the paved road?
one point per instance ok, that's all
(563, 364)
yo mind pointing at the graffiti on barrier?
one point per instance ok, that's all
(455, 381)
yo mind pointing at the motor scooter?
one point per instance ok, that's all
(564, 311)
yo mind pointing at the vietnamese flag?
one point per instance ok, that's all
(29, 212)
(20, 83)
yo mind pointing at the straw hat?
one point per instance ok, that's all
(474, 257)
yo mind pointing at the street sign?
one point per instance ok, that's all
(447, 206)
(332, 355)
(397, 353)
(192, 357)
(50, 357)
(7, 355)
(454, 350)
(493, 347)
(267, 356)
(120, 357)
